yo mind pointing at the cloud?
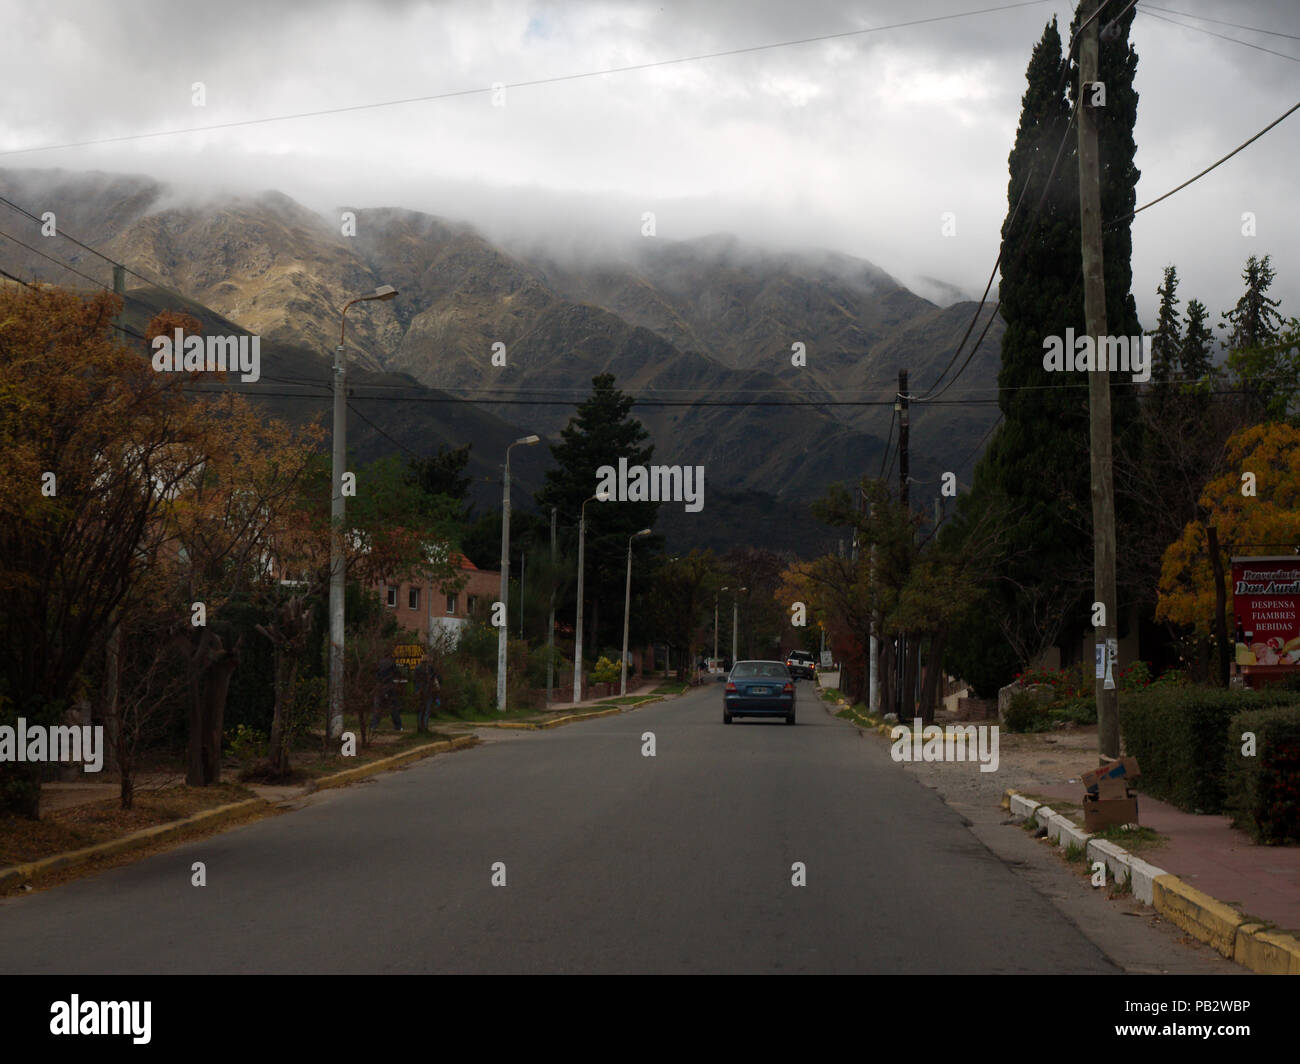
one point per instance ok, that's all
(858, 144)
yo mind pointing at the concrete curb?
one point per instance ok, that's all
(530, 726)
(340, 779)
(1251, 945)
(26, 873)
(34, 870)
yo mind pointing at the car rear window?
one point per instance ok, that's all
(768, 670)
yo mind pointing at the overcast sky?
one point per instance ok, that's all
(857, 144)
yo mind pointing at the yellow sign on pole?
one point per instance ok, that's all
(409, 654)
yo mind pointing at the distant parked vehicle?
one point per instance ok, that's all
(758, 689)
(800, 663)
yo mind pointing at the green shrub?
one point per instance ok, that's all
(1263, 791)
(606, 671)
(537, 658)
(1077, 710)
(466, 688)
(1026, 714)
(245, 743)
(1178, 734)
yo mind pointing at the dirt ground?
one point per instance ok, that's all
(1025, 762)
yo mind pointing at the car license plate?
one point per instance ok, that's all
(758, 690)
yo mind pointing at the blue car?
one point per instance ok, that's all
(759, 689)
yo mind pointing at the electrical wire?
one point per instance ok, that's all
(1221, 36)
(522, 84)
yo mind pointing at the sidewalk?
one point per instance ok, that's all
(1210, 855)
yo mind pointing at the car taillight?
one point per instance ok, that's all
(789, 687)
(730, 686)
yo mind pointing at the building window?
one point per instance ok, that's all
(413, 598)
(451, 605)
(392, 596)
(471, 604)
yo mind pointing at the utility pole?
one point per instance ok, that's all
(550, 627)
(1099, 430)
(904, 499)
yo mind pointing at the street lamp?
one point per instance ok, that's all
(600, 496)
(338, 564)
(735, 623)
(627, 608)
(503, 630)
(715, 620)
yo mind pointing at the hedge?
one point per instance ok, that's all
(1178, 735)
(1263, 791)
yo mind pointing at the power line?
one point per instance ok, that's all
(1119, 221)
(1220, 22)
(522, 84)
(1221, 36)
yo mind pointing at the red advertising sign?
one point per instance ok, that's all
(1266, 604)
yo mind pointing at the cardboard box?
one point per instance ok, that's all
(1111, 788)
(1101, 813)
(1125, 768)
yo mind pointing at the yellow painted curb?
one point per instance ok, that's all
(1267, 952)
(1006, 798)
(28, 872)
(348, 775)
(526, 725)
(1197, 913)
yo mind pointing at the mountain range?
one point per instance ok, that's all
(708, 335)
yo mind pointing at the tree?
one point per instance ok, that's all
(92, 444)
(680, 592)
(1196, 350)
(1262, 368)
(1036, 466)
(1166, 338)
(600, 433)
(1194, 582)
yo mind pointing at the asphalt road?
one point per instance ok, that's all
(614, 862)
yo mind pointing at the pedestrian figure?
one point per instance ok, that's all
(386, 694)
(427, 686)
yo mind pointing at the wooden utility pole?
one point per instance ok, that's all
(904, 498)
(1099, 432)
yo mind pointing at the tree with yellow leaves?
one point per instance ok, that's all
(1253, 508)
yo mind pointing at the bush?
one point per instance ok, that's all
(1263, 791)
(1077, 711)
(606, 671)
(1026, 714)
(537, 658)
(1178, 734)
(245, 743)
(466, 688)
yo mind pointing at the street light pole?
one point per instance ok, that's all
(503, 630)
(600, 496)
(735, 624)
(550, 627)
(338, 508)
(627, 609)
(715, 627)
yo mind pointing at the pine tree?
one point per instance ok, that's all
(1196, 351)
(600, 433)
(1037, 464)
(1166, 339)
(1254, 321)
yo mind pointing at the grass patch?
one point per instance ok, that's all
(1133, 839)
(625, 700)
(671, 687)
(1074, 852)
